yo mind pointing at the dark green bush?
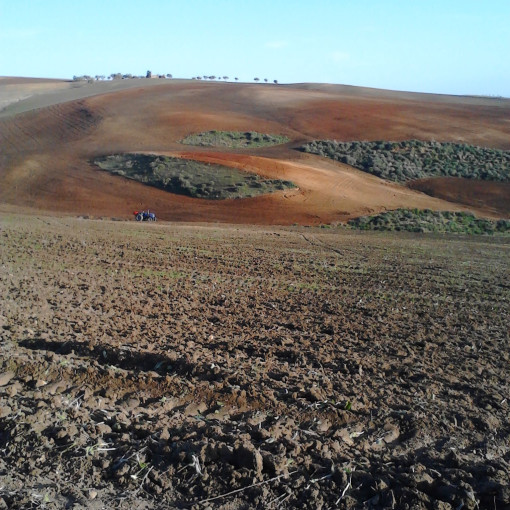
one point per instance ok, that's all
(234, 139)
(188, 177)
(413, 159)
(415, 220)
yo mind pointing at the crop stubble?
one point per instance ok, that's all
(161, 366)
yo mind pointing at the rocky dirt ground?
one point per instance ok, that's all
(171, 366)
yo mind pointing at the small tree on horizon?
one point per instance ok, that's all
(149, 74)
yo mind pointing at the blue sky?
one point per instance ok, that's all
(443, 46)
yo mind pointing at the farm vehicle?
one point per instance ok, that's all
(144, 215)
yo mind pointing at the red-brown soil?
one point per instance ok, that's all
(173, 366)
(493, 196)
(46, 153)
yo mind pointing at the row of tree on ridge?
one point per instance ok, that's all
(129, 76)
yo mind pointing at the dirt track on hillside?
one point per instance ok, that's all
(45, 154)
(163, 366)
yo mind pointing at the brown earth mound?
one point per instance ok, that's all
(45, 153)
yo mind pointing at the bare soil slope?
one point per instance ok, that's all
(489, 195)
(46, 153)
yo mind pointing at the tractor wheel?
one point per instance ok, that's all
(150, 218)
(139, 217)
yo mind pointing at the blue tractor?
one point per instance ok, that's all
(144, 215)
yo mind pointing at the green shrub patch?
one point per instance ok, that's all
(188, 177)
(416, 220)
(234, 139)
(413, 159)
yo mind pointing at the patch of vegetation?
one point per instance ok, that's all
(188, 177)
(413, 159)
(416, 220)
(234, 139)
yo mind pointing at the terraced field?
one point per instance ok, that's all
(66, 122)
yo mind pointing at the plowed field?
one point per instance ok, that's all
(177, 366)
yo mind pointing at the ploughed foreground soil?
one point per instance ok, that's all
(177, 366)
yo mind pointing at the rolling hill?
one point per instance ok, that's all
(52, 130)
